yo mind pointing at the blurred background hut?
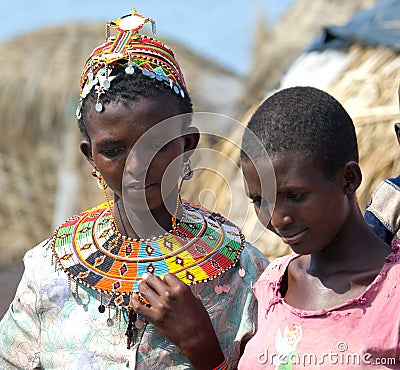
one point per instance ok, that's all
(39, 157)
(274, 50)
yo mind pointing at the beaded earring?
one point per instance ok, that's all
(100, 180)
(103, 186)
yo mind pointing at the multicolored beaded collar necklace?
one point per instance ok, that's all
(90, 250)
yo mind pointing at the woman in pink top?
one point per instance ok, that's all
(334, 303)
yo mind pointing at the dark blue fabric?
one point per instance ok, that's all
(378, 25)
(378, 227)
(395, 180)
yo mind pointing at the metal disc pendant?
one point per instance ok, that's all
(99, 107)
(129, 70)
(176, 89)
(242, 272)
(109, 321)
(106, 84)
(78, 113)
(102, 308)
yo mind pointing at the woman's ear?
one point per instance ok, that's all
(191, 137)
(352, 177)
(86, 149)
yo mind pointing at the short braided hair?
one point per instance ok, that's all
(128, 88)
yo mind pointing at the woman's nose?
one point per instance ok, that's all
(137, 164)
(280, 217)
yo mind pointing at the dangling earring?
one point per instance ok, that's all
(103, 186)
(129, 70)
(100, 180)
(186, 174)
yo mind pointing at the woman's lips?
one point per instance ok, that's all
(137, 189)
(139, 186)
(294, 238)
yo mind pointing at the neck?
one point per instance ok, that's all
(355, 248)
(138, 224)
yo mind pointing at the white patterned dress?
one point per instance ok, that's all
(49, 326)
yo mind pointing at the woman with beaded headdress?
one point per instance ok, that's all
(98, 293)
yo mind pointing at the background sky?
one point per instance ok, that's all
(219, 29)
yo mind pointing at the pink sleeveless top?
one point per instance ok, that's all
(362, 333)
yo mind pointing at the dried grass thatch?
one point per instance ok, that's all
(368, 90)
(39, 88)
(275, 50)
(38, 96)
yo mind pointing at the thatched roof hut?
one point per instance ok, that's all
(274, 50)
(39, 145)
(364, 75)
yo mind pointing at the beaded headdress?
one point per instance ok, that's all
(137, 53)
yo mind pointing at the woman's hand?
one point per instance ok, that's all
(181, 317)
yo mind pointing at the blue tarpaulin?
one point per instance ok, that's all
(379, 25)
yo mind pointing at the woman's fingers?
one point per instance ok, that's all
(149, 289)
(139, 307)
(167, 287)
(155, 283)
(172, 281)
(165, 297)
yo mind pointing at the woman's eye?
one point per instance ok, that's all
(262, 205)
(296, 196)
(112, 152)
